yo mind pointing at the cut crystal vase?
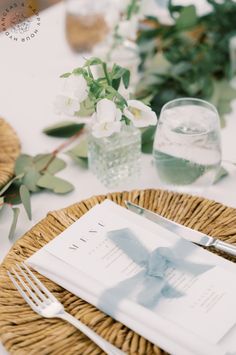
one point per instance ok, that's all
(116, 160)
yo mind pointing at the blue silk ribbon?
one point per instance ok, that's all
(150, 283)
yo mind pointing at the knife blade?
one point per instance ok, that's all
(185, 232)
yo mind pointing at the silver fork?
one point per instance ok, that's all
(42, 301)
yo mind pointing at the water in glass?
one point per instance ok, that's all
(187, 150)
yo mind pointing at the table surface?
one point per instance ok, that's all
(29, 83)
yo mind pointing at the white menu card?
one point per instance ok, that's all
(132, 265)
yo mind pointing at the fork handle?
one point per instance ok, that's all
(97, 339)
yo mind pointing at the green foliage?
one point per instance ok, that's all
(79, 153)
(63, 129)
(32, 175)
(187, 18)
(25, 198)
(147, 139)
(57, 185)
(189, 58)
(15, 212)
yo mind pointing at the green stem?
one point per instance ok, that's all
(60, 148)
(106, 74)
(90, 72)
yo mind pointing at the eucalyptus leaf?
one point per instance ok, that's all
(16, 212)
(52, 163)
(25, 198)
(79, 160)
(80, 150)
(79, 153)
(6, 187)
(12, 195)
(55, 184)
(31, 178)
(63, 129)
(23, 163)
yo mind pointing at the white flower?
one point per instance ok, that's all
(128, 28)
(107, 119)
(66, 105)
(140, 114)
(75, 86)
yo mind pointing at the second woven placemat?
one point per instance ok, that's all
(23, 332)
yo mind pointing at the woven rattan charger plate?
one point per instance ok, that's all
(9, 150)
(24, 332)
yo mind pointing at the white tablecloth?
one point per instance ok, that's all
(28, 86)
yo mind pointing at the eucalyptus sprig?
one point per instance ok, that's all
(34, 174)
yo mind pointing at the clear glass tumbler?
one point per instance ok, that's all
(187, 146)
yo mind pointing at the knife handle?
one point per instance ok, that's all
(226, 247)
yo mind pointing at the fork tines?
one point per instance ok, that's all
(30, 288)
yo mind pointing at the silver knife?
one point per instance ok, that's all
(185, 232)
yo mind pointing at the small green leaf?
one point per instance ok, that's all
(93, 61)
(12, 195)
(187, 18)
(147, 139)
(116, 83)
(63, 129)
(23, 163)
(55, 184)
(80, 150)
(117, 72)
(6, 187)
(221, 174)
(42, 161)
(31, 178)
(126, 78)
(78, 71)
(25, 198)
(79, 153)
(66, 75)
(86, 108)
(81, 161)
(16, 212)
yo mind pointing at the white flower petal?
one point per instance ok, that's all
(128, 114)
(76, 86)
(150, 118)
(106, 111)
(66, 105)
(105, 129)
(139, 105)
(140, 114)
(128, 28)
(126, 93)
